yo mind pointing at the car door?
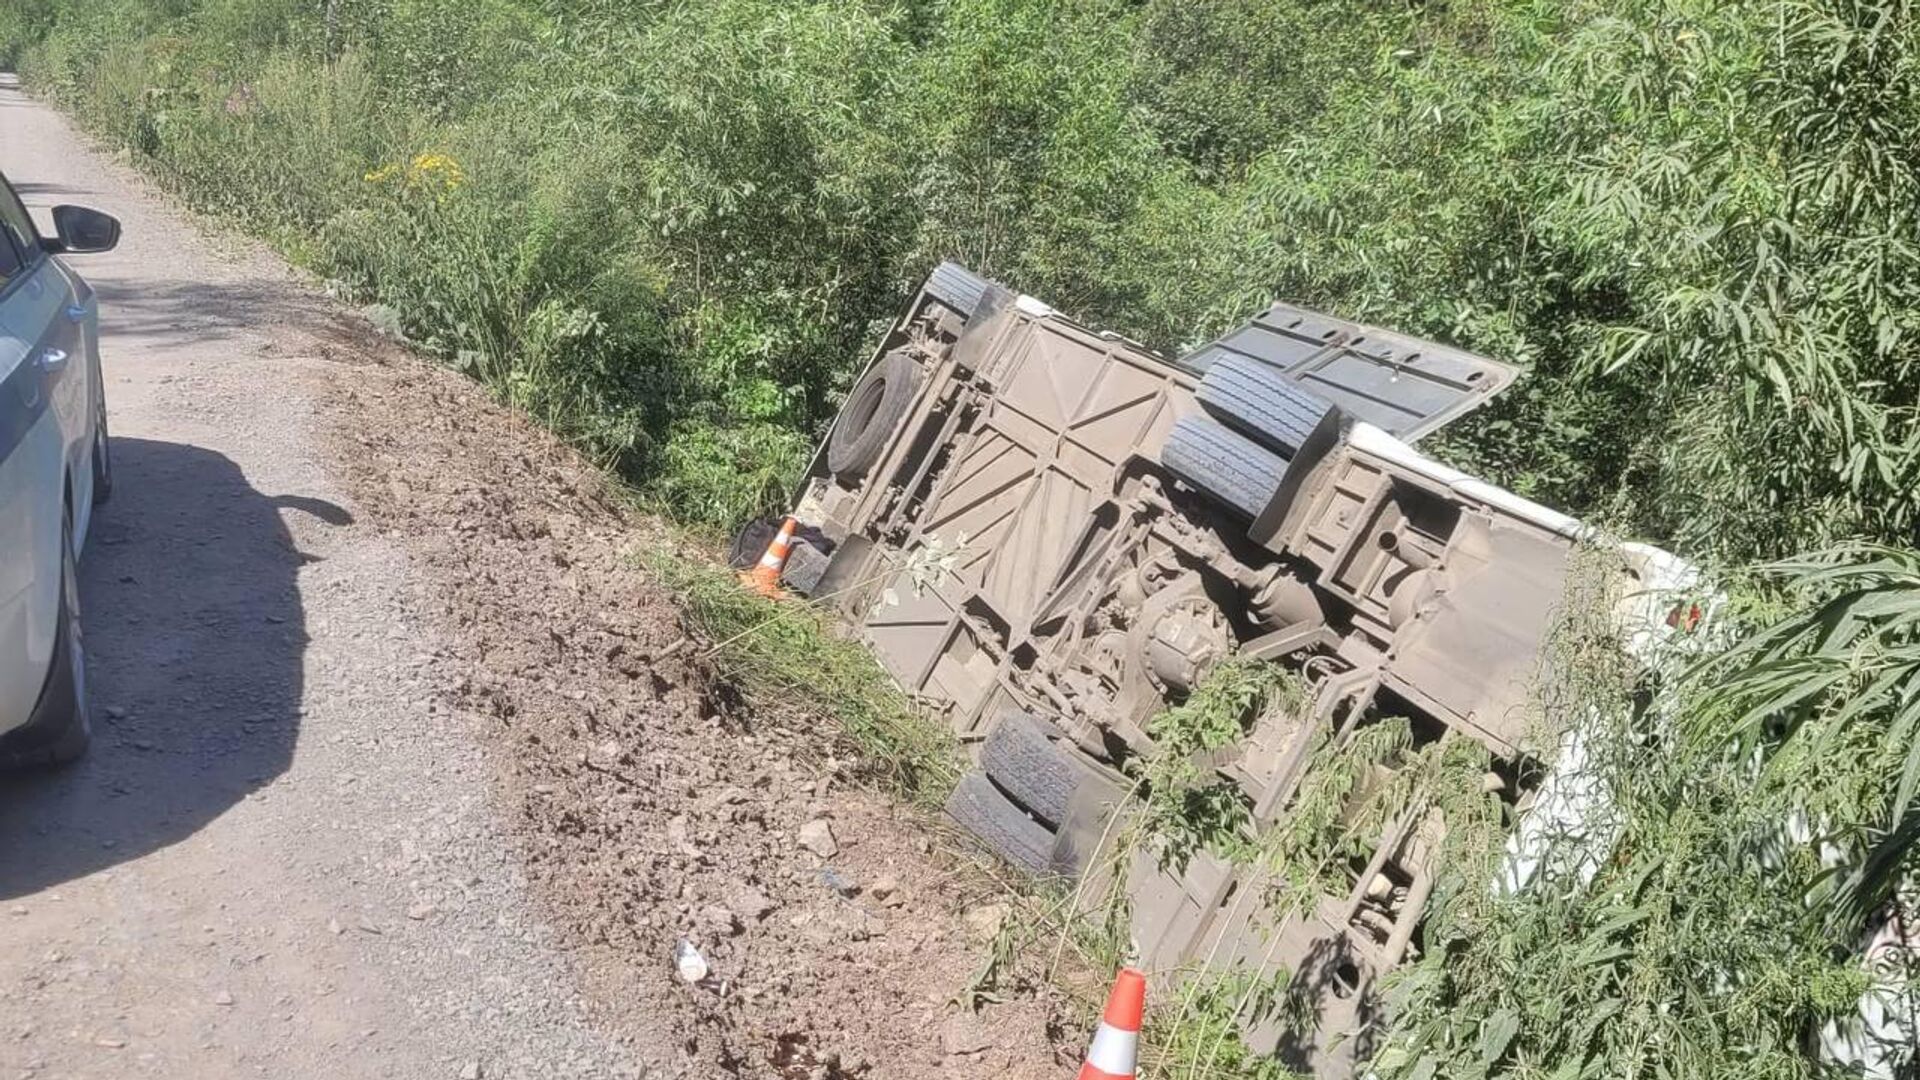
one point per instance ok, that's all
(38, 422)
(49, 305)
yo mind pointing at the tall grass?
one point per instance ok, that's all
(788, 656)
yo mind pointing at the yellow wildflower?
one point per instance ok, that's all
(436, 168)
(429, 171)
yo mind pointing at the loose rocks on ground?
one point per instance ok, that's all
(649, 808)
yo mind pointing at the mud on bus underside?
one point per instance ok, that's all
(1123, 523)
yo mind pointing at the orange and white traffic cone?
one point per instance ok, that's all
(1116, 1042)
(765, 578)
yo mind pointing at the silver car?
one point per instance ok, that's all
(54, 468)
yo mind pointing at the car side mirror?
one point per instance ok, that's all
(82, 231)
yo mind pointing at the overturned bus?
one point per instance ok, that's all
(1124, 522)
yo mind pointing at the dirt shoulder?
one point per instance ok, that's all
(396, 775)
(651, 807)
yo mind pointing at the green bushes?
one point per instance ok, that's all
(679, 224)
(1758, 814)
(667, 238)
(672, 230)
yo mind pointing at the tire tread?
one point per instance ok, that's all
(1231, 468)
(1260, 402)
(982, 810)
(1027, 765)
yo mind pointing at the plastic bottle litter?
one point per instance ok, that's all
(692, 966)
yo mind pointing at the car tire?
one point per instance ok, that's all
(63, 729)
(1260, 402)
(1025, 763)
(876, 406)
(1233, 469)
(984, 811)
(102, 456)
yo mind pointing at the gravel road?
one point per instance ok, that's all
(237, 881)
(392, 777)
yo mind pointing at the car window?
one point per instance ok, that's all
(21, 241)
(9, 261)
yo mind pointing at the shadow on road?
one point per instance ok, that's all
(194, 315)
(195, 636)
